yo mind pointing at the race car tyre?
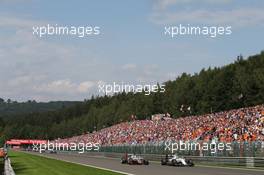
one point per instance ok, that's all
(179, 164)
(163, 162)
(146, 162)
(130, 162)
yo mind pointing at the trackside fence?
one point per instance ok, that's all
(238, 149)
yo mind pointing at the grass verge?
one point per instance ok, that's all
(27, 164)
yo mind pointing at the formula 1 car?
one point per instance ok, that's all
(133, 159)
(175, 160)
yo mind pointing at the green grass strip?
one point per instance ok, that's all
(28, 164)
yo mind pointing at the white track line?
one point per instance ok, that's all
(92, 166)
(230, 168)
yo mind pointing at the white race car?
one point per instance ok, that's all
(175, 160)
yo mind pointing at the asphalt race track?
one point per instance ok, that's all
(153, 169)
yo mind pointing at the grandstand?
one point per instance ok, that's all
(238, 125)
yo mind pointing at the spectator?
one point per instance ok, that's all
(245, 124)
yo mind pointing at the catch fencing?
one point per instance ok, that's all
(245, 154)
(238, 149)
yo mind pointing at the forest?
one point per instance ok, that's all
(9, 108)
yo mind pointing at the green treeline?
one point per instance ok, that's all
(9, 108)
(236, 85)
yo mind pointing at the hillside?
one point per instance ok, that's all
(240, 84)
(11, 108)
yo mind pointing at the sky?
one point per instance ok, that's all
(131, 47)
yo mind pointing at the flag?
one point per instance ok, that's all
(240, 96)
(182, 106)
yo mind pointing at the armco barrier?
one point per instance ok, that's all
(8, 170)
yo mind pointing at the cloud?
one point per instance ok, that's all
(47, 69)
(236, 17)
(58, 86)
(41, 69)
(84, 87)
(151, 69)
(20, 44)
(40, 88)
(24, 80)
(19, 23)
(212, 12)
(65, 87)
(163, 4)
(129, 67)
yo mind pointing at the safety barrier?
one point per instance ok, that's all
(238, 149)
(8, 170)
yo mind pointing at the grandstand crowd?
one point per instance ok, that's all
(244, 124)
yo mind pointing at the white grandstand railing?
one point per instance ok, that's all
(8, 170)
